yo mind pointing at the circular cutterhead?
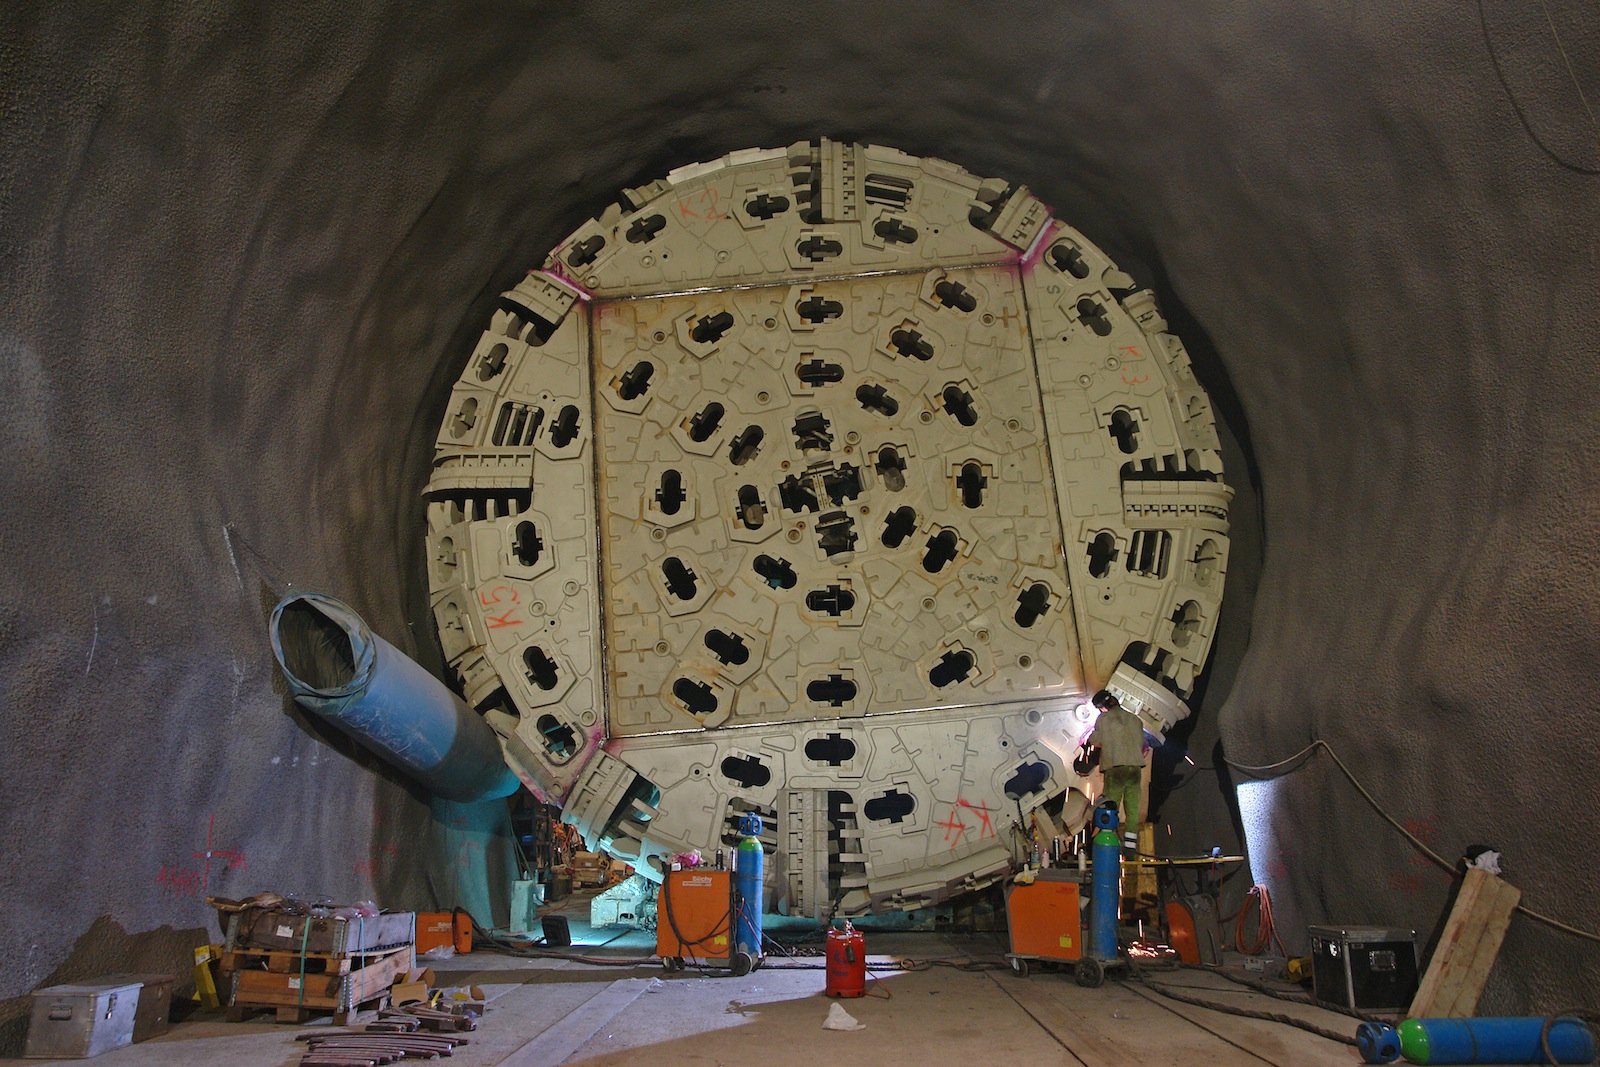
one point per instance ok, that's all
(823, 483)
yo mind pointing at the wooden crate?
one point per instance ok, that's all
(257, 928)
(294, 994)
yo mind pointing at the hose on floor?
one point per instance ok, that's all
(1140, 978)
(513, 945)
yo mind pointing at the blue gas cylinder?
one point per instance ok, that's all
(1492, 1040)
(1106, 886)
(748, 888)
(1377, 1042)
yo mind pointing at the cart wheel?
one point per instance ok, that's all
(677, 963)
(666, 963)
(1090, 973)
(741, 964)
(1019, 966)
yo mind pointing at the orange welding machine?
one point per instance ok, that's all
(694, 910)
(1044, 918)
(435, 929)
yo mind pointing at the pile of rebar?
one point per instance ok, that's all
(413, 1032)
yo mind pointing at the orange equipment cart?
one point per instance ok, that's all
(694, 918)
(1044, 918)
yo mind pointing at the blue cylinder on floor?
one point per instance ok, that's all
(748, 887)
(338, 669)
(1495, 1040)
(1377, 1042)
(1106, 885)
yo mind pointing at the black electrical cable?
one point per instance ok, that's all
(1578, 1015)
(527, 949)
(1416, 842)
(969, 966)
(1511, 98)
(1293, 998)
(1244, 1013)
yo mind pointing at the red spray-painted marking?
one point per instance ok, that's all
(368, 868)
(189, 881)
(1133, 354)
(985, 825)
(465, 856)
(235, 858)
(184, 883)
(954, 829)
(704, 204)
(509, 617)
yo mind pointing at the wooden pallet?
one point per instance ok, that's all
(293, 994)
(239, 1013)
(1467, 949)
(284, 961)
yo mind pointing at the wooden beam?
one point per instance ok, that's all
(1467, 949)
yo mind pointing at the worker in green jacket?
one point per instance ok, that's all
(1119, 733)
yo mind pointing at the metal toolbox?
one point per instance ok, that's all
(154, 1013)
(1364, 968)
(86, 1019)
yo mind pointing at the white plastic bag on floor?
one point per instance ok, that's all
(839, 1019)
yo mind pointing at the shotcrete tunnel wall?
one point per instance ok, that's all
(244, 248)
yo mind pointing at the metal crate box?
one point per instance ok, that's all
(85, 1019)
(153, 1016)
(261, 929)
(1364, 968)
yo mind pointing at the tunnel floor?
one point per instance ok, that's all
(933, 998)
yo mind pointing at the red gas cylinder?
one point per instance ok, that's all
(847, 963)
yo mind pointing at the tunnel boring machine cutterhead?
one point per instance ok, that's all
(824, 483)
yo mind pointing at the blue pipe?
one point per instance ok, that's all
(341, 671)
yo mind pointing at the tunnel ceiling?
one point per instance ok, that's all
(246, 251)
(890, 471)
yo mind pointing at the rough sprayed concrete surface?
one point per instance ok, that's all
(243, 250)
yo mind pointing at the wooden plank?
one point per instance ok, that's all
(1467, 949)
(1495, 910)
(1278, 1044)
(371, 981)
(1428, 990)
(262, 987)
(1093, 1024)
(285, 961)
(327, 992)
(557, 1042)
